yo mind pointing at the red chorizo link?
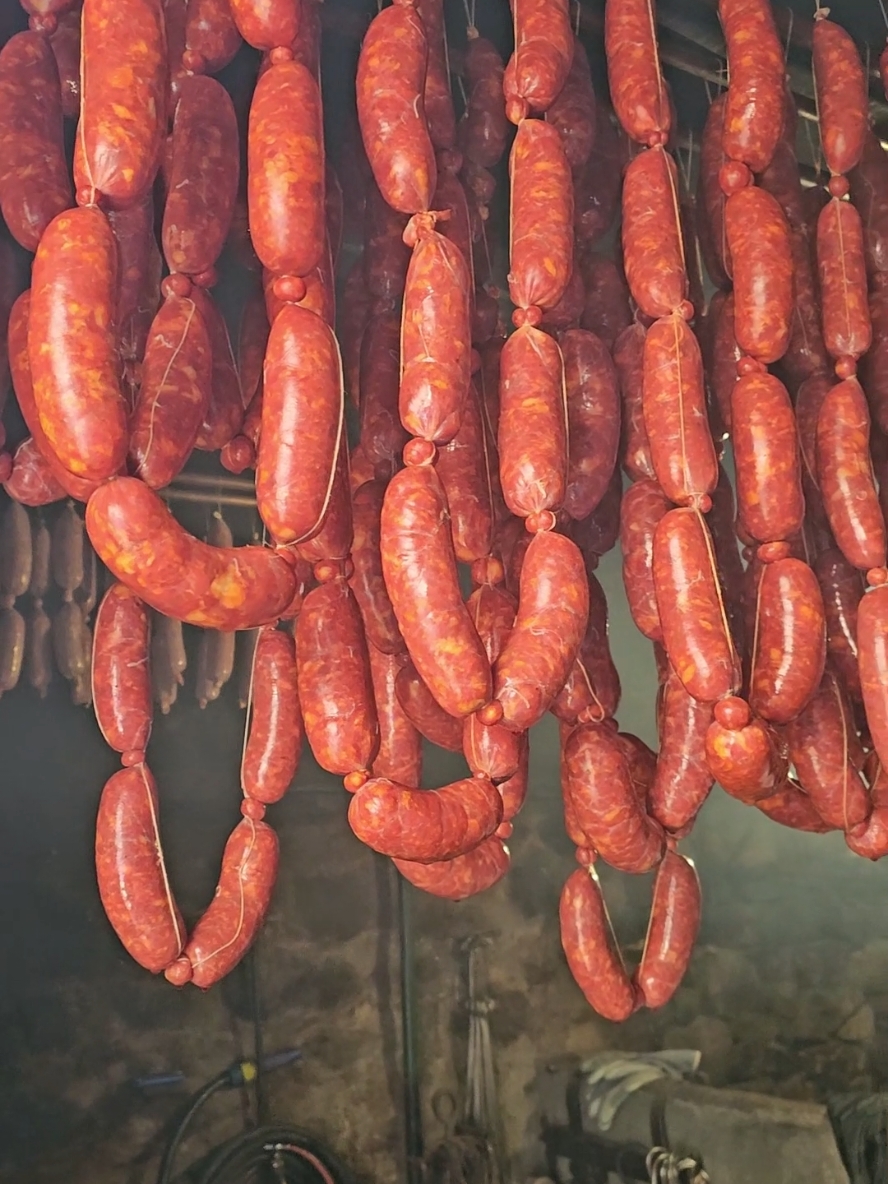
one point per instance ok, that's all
(590, 947)
(437, 100)
(133, 883)
(367, 582)
(873, 368)
(782, 178)
(420, 573)
(466, 875)
(692, 612)
(140, 264)
(637, 88)
(606, 310)
(593, 415)
(424, 712)
(390, 85)
(870, 196)
(174, 394)
(302, 410)
(682, 781)
(766, 456)
(425, 825)
(271, 755)
(203, 178)
(539, 66)
(235, 915)
(483, 128)
(761, 250)
(744, 756)
(652, 244)
(382, 434)
(672, 930)
(597, 187)
(72, 345)
(790, 643)
(842, 98)
(252, 341)
(541, 221)
(494, 750)
(123, 115)
(598, 534)
(592, 689)
(846, 475)
(567, 312)
(725, 356)
(553, 610)
(872, 642)
(400, 744)
(334, 540)
(605, 803)
(642, 762)
(225, 412)
(464, 466)
(34, 181)
(436, 338)
(674, 404)
(450, 198)
(842, 587)
(266, 24)
(386, 255)
(792, 807)
(574, 111)
(121, 680)
(65, 42)
(806, 353)
(354, 313)
(137, 538)
(31, 481)
(754, 109)
(710, 198)
(514, 790)
(211, 36)
(847, 330)
(635, 449)
(643, 505)
(532, 435)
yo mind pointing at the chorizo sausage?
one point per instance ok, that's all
(574, 111)
(539, 65)
(725, 354)
(868, 192)
(335, 687)
(386, 256)
(790, 645)
(635, 449)
(792, 807)
(592, 689)
(653, 252)
(872, 643)
(225, 411)
(643, 505)
(597, 187)
(682, 780)
(606, 309)
(271, 754)
(674, 404)
(553, 609)
(72, 347)
(483, 129)
(424, 712)
(541, 217)
(493, 750)
(761, 251)
(123, 112)
(841, 587)
(593, 416)
(766, 456)
(31, 481)
(437, 100)
(695, 626)
(425, 825)
(846, 475)
(710, 198)
(267, 24)
(302, 409)
(137, 538)
(133, 882)
(34, 181)
(390, 84)
(466, 875)
(842, 97)
(367, 582)
(211, 36)
(870, 839)
(382, 435)
(873, 368)
(743, 754)
(847, 329)
(806, 353)
(633, 66)
(672, 930)
(532, 435)
(121, 681)
(140, 264)
(65, 42)
(590, 947)
(754, 109)
(464, 466)
(400, 744)
(235, 914)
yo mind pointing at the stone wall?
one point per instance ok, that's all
(787, 992)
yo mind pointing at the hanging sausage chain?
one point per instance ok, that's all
(500, 453)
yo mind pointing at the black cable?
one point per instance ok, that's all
(164, 1172)
(258, 1051)
(293, 1156)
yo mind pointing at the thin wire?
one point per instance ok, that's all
(884, 13)
(789, 36)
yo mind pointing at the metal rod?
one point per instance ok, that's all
(412, 1108)
(207, 499)
(211, 481)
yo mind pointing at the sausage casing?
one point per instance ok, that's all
(271, 754)
(847, 329)
(790, 650)
(633, 64)
(367, 582)
(464, 876)
(643, 505)
(121, 678)
(652, 241)
(590, 947)
(754, 106)
(682, 780)
(593, 416)
(539, 66)
(761, 250)
(766, 455)
(672, 931)
(541, 216)
(400, 744)
(842, 98)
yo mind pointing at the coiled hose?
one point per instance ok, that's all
(272, 1155)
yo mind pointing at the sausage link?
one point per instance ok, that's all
(846, 475)
(847, 329)
(792, 807)
(806, 353)
(390, 84)
(538, 68)
(653, 253)
(123, 101)
(450, 199)
(133, 883)
(642, 508)
(766, 456)
(842, 587)
(436, 339)
(252, 340)
(65, 42)
(266, 24)
(334, 540)
(235, 914)
(592, 688)
(335, 687)
(72, 346)
(873, 368)
(367, 582)
(425, 825)
(725, 354)
(532, 436)
(672, 930)
(574, 111)
(225, 413)
(541, 220)
(382, 435)
(842, 98)
(633, 66)
(140, 264)
(167, 661)
(593, 416)
(211, 36)
(634, 449)
(710, 198)
(203, 177)
(553, 610)
(400, 744)
(682, 781)
(746, 761)
(12, 647)
(598, 534)
(790, 646)
(870, 839)
(32, 481)
(271, 755)
(38, 651)
(590, 947)
(597, 188)
(302, 408)
(121, 680)
(494, 750)
(386, 255)
(464, 466)
(66, 553)
(872, 642)
(761, 250)
(606, 310)
(483, 129)
(354, 313)
(466, 875)
(437, 100)
(34, 181)
(869, 192)
(424, 712)
(695, 626)
(674, 403)
(754, 109)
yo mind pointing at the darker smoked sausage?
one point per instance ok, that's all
(271, 755)
(590, 947)
(424, 712)
(121, 680)
(593, 415)
(672, 930)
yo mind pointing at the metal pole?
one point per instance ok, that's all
(412, 1109)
